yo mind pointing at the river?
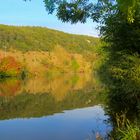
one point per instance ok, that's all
(62, 107)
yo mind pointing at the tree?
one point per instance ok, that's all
(119, 19)
(129, 7)
(79, 10)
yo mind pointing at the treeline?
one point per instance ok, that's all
(39, 38)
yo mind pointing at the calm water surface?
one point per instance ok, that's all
(64, 107)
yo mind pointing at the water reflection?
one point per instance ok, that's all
(41, 96)
(58, 86)
(79, 124)
(43, 101)
(9, 87)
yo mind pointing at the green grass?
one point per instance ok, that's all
(130, 132)
(124, 129)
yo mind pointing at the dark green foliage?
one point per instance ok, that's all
(79, 10)
(120, 34)
(70, 11)
(121, 73)
(3, 75)
(39, 38)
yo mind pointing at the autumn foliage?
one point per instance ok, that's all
(9, 66)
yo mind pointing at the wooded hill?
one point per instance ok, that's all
(38, 49)
(40, 38)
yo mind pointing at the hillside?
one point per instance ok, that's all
(38, 51)
(39, 38)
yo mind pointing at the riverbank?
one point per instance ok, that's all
(120, 72)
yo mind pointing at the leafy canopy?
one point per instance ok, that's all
(79, 10)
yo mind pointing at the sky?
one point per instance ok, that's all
(33, 13)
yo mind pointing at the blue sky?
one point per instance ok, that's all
(32, 13)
